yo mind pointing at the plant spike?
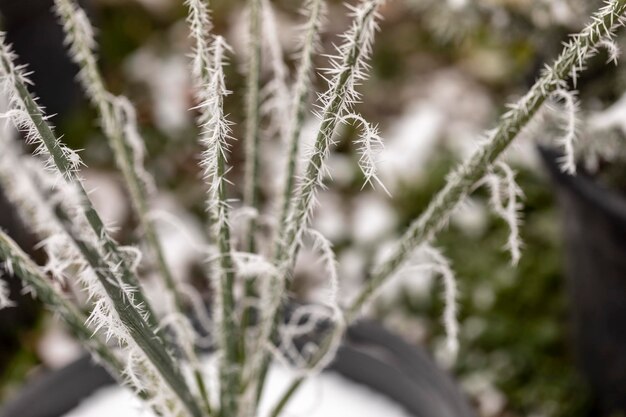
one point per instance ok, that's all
(214, 138)
(119, 121)
(347, 70)
(122, 299)
(276, 93)
(215, 131)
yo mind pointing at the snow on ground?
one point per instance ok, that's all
(327, 395)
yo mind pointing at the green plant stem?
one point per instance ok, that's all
(31, 275)
(252, 161)
(215, 134)
(64, 166)
(138, 329)
(229, 386)
(253, 118)
(572, 59)
(299, 109)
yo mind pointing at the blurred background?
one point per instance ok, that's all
(442, 71)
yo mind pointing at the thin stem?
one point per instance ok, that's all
(118, 120)
(301, 94)
(253, 134)
(348, 69)
(572, 60)
(230, 341)
(214, 137)
(252, 161)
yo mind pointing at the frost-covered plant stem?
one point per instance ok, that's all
(23, 267)
(253, 133)
(139, 330)
(118, 120)
(208, 76)
(346, 70)
(576, 52)
(142, 328)
(79, 34)
(64, 164)
(215, 135)
(299, 108)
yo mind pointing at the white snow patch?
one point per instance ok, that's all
(352, 267)
(180, 235)
(373, 218)
(612, 117)
(327, 395)
(107, 196)
(471, 217)
(167, 77)
(330, 217)
(409, 144)
(57, 347)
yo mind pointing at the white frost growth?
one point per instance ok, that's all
(215, 127)
(612, 50)
(311, 322)
(199, 20)
(505, 195)
(450, 320)
(79, 36)
(428, 258)
(252, 265)
(347, 70)
(569, 114)
(370, 147)
(5, 301)
(327, 257)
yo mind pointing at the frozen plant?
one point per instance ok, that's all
(158, 356)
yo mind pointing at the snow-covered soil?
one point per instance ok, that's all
(327, 395)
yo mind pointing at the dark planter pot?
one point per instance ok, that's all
(370, 356)
(595, 242)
